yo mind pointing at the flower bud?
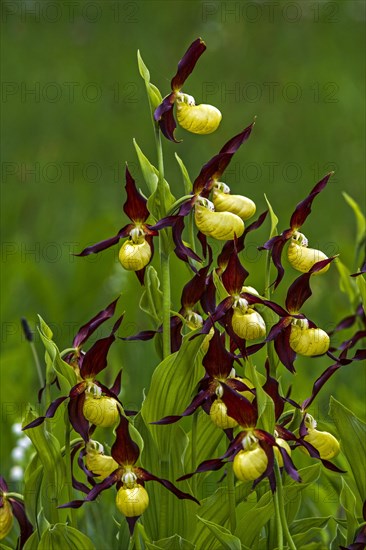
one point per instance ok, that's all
(100, 464)
(222, 226)
(282, 443)
(6, 518)
(132, 502)
(309, 341)
(303, 258)
(237, 204)
(324, 442)
(249, 325)
(102, 411)
(219, 416)
(249, 465)
(135, 256)
(198, 119)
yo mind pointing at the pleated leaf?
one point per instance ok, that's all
(352, 432)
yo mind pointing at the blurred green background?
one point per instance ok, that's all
(72, 100)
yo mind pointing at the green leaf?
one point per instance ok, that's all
(348, 502)
(273, 218)
(172, 543)
(33, 476)
(221, 291)
(45, 329)
(59, 365)
(208, 437)
(352, 432)
(254, 518)
(166, 514)
(65, 537)
(361, 283)
(302, 525)
(188, 185)
(216, 509)
(151, 301)
(153, 92)
(346, 283)
(32, 542)
(151, 177)
(173, 384)
(339, 539)
(303, 540)
(227, 540)
(149, 172)
(360, 218)
(53, 484)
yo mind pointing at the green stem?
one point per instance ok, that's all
(281, 508)
(278, 522)
(163, 249)
(231, 495)
(69, 469)
(136, 538)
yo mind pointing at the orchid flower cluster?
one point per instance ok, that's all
(223, 356)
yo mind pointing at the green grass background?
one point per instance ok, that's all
(298, 66)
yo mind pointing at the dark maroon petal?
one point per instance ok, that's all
(289, 465)
(124, 450)
(95, 359)
(319, 383)
(167, 122)
(135, 205)
(278, 328)
(182, 251)
(144, 335)
(300, 289)
(235, 142)
(215, 167)
(168, 221)
(218, 362)
(205, 466)
(77, 418)
(271, 387)
(26, 528)
(208, 299)
(49, 413)
(234, 275)
(148, 476)
(197, 401)
(256, 224)
(97, 489)
(276, 258)
(347, 322)
(87, 330)
(268, 449)
(187, 63)
(210, 171)
(218, 314)
(78, 485)
(303, 209)
(282, 346)
(103, 245)
(239, 408)
(194, 289)
(116, 387)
